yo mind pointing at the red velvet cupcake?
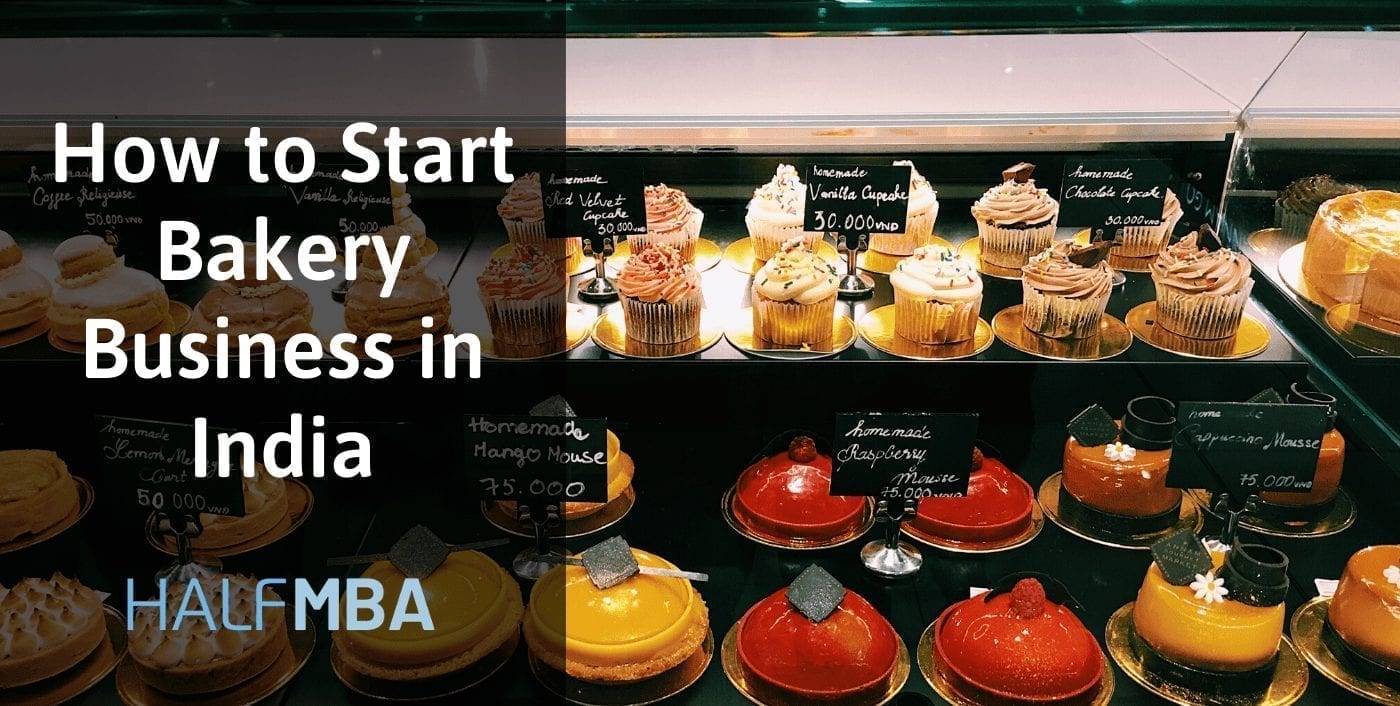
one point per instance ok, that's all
(998, 505)
(787, 496)
(1017, 647)
(847, 659)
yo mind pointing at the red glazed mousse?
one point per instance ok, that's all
(1018, 648)
(998, 505)
(786, 496)
(846, 659)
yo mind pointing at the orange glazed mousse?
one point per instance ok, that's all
(1365, 610)
(1127, 477)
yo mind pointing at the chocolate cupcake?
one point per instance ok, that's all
(1298, 202)
(1015, 220)
(1201, 293)
(1064, 299)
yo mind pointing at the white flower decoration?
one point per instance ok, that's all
(1119, 451)
(1210, 589)
(1392, 574)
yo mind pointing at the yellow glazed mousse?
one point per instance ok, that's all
(637, 629)
(475, 606)
(1365, 610)
(1207, 632)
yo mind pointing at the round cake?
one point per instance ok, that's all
(787, 495)
(252, 306)
(46, 628)
(1127, 478)
(1365, 610)
(264, 506)
(475, 606)
(36, 492)
(1354, 239)
(847, 658)
(998, 505)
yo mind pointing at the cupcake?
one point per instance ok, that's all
(775, 214)
(1146, 241)
(1064, 299)
(923, 211)
(794, 297)
(522, 212)
(1201, 293)
(1015, 220)
(524, 298)
(671, 220)
(937, 296)
(1298, 202)
(660, 295)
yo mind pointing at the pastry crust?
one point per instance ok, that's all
(553, 654)
(223, 674)
(46, 628)
(399, 314)
(507, 630)
(36, 492)
(265, 506)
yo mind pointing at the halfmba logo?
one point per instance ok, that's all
(240, 603)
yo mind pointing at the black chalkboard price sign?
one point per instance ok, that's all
(594, 203)
(113, 209)
(155, 462)
(547, 459)
(903, 456)
(1247, 448)
(326, 204)
(848, 198)
(1113, 193)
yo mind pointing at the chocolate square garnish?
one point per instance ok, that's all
(555, 406)
(1207, 238)
(1091, 255)
(815, 593)
(1093, 427)
(610, 562)
(418, 553)
(1267, 395)
(1020, 172)
(1181, 556)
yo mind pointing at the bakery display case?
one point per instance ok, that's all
(737, 335)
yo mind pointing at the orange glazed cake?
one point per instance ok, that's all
(1353, 238)
(46, 628)
(1365, 610)
(36, 492)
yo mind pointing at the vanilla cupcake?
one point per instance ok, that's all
(1063, 299)
(937, 296)
(918, 228)
(794, 297)
(775, 214)
(660, 296)
(24, 293)
(1015, 220)
(525, 299)
(671, 220)
(1146, 241)
(1201, 293)
(522, 212)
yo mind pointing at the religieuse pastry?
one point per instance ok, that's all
(47, 626)
(476, 609)
(524, 298)
(24, 293)
(415, 295)
(918, 228)
(1201, 293)
(847, 656)
(671, 220)
(1118, 469)
(1017, 645)
(788, 496)
(406, 222)
(522, 212)
(1298, 202)
(36, 492)
(1015, 220)
(660, 296)
(774, 214)
(253, 307)
(998, 505)
(1146, 241)
(1063, 298)
(91, 285)
(633, 630)
(794, 297)
(937, 296)
(1348, 245)
(191, 659)
(1365, 610)
(1214, 626)
(621, 469)
(264, 507)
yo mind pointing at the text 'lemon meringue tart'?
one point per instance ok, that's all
(475, 607)
(190, 658)
(36, 492)
(264, 506)
(634, 630)
(46, 628)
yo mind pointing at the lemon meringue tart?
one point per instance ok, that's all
(264, 507)
(634, 630)
(475, 608)
(36, 492)
(47, 626)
